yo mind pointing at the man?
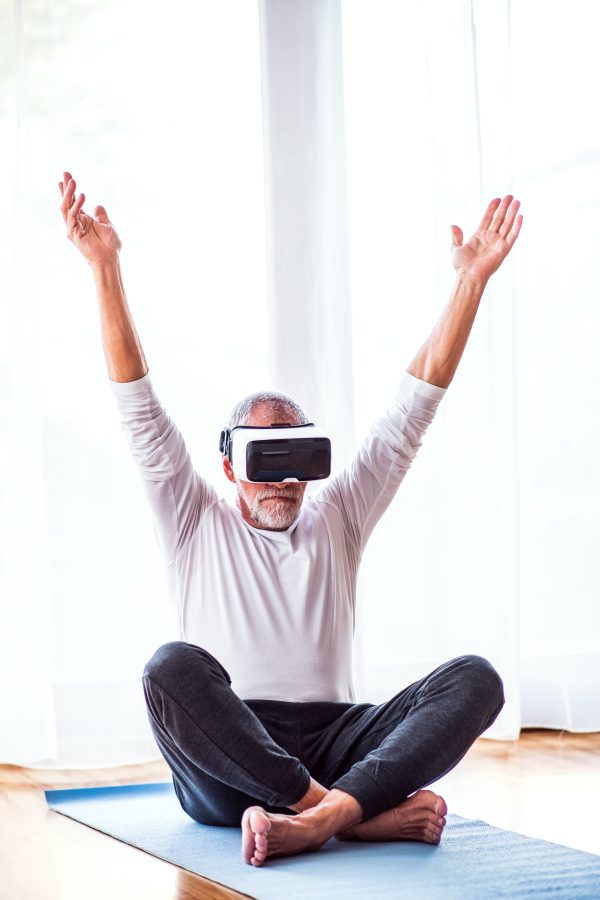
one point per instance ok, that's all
(255, 704)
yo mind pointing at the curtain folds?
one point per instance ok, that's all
(338, 141)
(497, 524)
(25, 694)
(310, 334)
(177, 161)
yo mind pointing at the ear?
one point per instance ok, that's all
(228, 470)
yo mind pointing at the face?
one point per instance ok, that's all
(273, 507)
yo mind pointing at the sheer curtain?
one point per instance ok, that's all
(490, 547)
(158, 115)
(310, 314)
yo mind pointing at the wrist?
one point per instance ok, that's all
(107, 266)
(467, 279)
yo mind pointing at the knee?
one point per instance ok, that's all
(166, 662)
(481, 680)
(178, 664)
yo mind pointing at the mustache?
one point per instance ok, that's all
(270, 493)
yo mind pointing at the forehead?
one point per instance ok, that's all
(265, 415)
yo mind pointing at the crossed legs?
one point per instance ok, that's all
(349, 770)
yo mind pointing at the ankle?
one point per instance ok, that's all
(337, 811)
(315, 794)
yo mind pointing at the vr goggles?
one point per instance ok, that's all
(275, 453)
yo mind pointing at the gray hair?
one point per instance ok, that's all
(282, 407)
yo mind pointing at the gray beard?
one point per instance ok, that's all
(275, 516)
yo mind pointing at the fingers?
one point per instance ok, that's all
(73, 224)
(62, 184)
(457, 236)
(514, 231)
(101, 215)
(67, 187)
(509, 218)
(505, 220)
(500, 213)
(77, 206)
(489, 214)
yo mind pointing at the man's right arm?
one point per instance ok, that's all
(98, 242)
(177, 495)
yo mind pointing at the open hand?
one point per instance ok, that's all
(94, 236)
(491, 243)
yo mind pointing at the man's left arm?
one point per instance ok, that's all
(475, 262)
(364, 490)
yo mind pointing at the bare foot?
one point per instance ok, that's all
(421, 817)
(269, 834)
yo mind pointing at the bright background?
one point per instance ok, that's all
(160, 122)
(449, 104)
(491, 544)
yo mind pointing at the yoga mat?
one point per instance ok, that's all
(474, 861)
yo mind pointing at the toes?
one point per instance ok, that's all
(441, 807)
(248, 842)
(259, 857)
(434, 830)
(258, 820)
(260, 845)
(255, 826)
(433, 827)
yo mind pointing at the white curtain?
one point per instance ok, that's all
(310, 313)
(449, 104)
(490, 545)
(158, 115)
(25, 696)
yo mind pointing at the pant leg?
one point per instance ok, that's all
(381, 754)
(221, 756)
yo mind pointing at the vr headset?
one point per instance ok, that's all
(275, 453)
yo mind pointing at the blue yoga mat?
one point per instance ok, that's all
(474, 861)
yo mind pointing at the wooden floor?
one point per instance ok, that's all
(546, 785)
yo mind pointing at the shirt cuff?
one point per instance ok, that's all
(411, 385)
(142, 386)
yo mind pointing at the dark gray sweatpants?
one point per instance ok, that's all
(227, 754)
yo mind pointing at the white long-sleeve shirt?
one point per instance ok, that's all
(275, 608)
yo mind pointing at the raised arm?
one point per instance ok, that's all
(475, 262)
(96, 239)
(364, 490)
(178, 497)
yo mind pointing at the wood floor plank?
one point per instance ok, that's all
(546, 785)
(47, 856)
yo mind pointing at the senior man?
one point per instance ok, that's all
(253, 708)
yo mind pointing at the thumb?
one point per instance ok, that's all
(457, 236)
(101, 215)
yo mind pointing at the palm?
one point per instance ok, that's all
(96, 240)
(94, 236)
(483, 253)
